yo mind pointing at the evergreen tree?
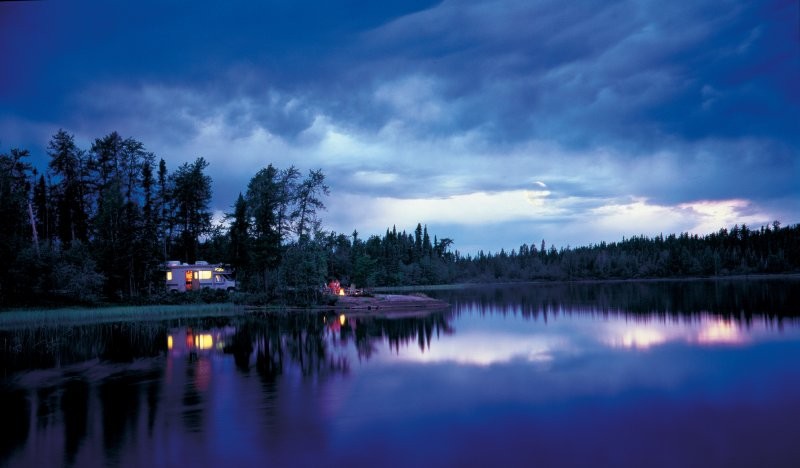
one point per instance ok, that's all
(191, 194)
(418, 242)
(164, 207)
(264, 200)
(286, 188)
(148, 252)
(68, 164)
(308, 201)
(43, 210)
(15, 228)
(427, 248)
(239, 232)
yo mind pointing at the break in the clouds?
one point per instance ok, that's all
(493, 122)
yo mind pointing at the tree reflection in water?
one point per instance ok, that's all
(109, 380)
(738, 299)
(272, 387)
(15, 406)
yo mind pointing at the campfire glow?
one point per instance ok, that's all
(341, 291)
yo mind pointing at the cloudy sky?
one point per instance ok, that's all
(495, 123)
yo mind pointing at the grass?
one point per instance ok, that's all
(75, 316)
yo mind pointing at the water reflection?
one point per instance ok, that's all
(15, 408)
(336, 388)
(740, 299)
(705, 330)
(626, 316)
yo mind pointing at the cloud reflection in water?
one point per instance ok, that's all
(544, 343)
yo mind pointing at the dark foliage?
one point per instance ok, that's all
(99, 224)
(408, 259)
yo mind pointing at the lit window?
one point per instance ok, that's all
(169, 276)
(205, 275)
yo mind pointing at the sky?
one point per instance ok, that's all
(494, 123)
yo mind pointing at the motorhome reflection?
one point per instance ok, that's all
(182, 277)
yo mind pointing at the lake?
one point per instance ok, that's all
(662, 373)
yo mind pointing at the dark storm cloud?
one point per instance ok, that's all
(604, 102)
(629, 73)
(57, 48)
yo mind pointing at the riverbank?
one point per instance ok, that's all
(377, 304)
(386, 299)
(77, 316)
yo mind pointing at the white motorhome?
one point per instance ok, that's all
(183, 277)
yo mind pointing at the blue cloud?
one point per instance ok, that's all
(601, 100)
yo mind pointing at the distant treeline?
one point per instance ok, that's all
(99, 223)
(400, 258)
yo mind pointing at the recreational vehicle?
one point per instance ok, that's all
(183, 277)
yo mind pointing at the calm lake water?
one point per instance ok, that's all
(696, 373)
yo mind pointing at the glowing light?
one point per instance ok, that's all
(169, 276)
(203, 341)
(341, 291)
(342, 319)
(169, 341)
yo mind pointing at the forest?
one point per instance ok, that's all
(98, 225)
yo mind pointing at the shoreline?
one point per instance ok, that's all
(442, 287)
(379, 304)
(68, 316)
(396, 303)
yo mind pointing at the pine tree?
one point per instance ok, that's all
(238, 255)
(191, 194)
(68, 163)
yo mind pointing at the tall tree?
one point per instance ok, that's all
(148, 241)
(123, 235)
(106, 154)
(109, 221)
(427, 248)
(309, 200)
(239, 232)
(418, 241)
(15, 228)
(304, 270)
(68, 163)
(264, 200)
(42, 209)
(164, 208)
(287, 185)
(191, 194)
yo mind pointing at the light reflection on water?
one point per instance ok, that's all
(515, 375)
(538, 342)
